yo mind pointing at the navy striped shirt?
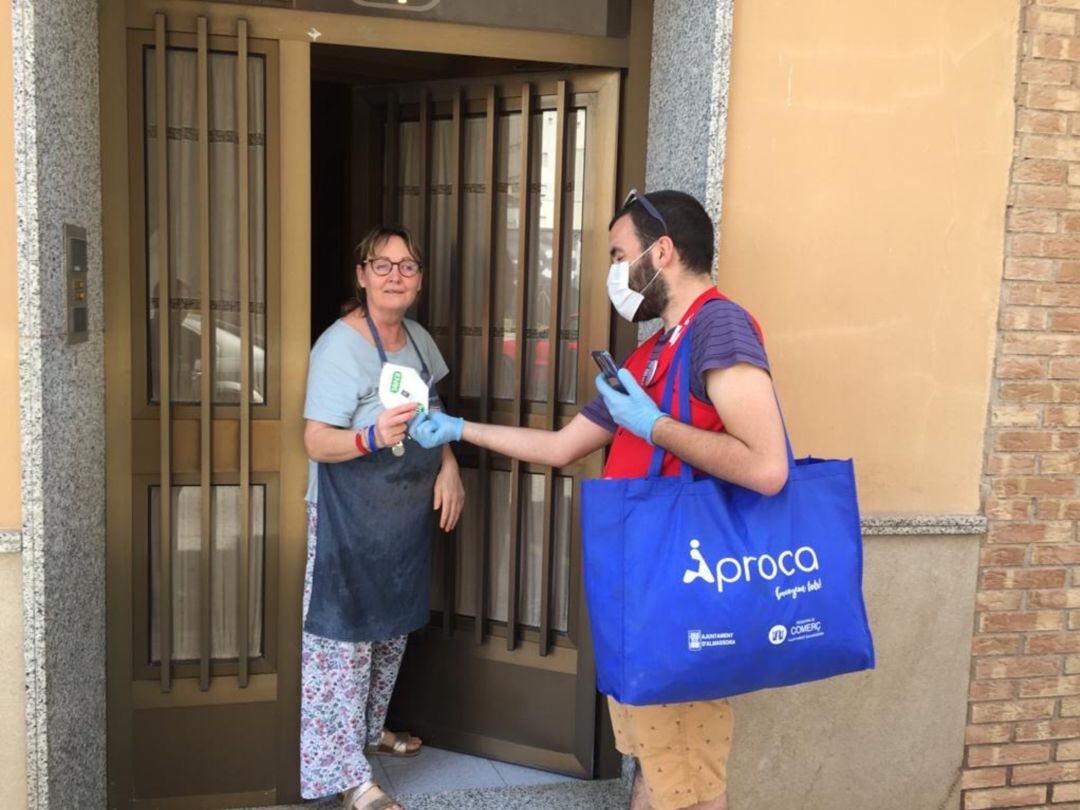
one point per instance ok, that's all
(722, 335)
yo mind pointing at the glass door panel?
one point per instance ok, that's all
(437, 218)
(184, 203)
(186, 591)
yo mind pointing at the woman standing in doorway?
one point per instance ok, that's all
(370, 524)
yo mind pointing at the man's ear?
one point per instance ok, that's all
(667, 248)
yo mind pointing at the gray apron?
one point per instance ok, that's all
(373, 540)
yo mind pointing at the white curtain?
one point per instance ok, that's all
(224, 568)
(184, 203)
(474, 256)
(504, 343)
(185, 324)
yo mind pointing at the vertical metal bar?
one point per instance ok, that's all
(425, 193)
(456, 233)
(524, 183)
(244, 260)
(456, 227)
(393, 159)
(490, 268)
(554, 322)
(161, 118)
(205, 358)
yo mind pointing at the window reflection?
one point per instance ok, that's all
(184, 209)
(503, 327)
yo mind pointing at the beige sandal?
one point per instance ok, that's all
(398, 745)
(369, 796)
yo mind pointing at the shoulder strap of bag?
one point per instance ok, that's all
(680, 374)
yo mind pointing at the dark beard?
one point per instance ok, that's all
(656, 297)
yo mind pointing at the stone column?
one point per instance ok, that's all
(688, 92)
(58, 161)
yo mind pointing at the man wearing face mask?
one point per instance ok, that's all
(662, 247)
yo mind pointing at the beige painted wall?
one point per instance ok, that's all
(12, 701)
(867, 166)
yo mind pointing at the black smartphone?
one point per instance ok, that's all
(609, 369)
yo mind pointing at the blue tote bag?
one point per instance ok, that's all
(700, 589)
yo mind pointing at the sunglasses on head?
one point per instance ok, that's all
(650, 209)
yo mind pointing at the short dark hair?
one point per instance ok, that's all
(688, 226)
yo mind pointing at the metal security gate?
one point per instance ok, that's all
(196, 626)
(509, 183)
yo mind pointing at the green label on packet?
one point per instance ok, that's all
(395, 383)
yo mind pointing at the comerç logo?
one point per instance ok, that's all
(801, 630)
(730, 570)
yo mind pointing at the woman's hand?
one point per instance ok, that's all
(392, 425)
(449, 492)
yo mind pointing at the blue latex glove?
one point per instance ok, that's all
(633, 410)
(434, 428)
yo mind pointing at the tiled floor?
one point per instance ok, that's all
(444, 780)
(438, 771)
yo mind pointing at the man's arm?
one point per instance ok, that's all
(554, 448)
(751, 452)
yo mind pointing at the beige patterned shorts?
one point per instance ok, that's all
(683, 748)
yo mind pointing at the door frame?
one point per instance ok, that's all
(294, 31)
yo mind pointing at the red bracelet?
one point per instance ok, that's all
(359, 438)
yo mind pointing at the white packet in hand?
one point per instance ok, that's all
(399, 385)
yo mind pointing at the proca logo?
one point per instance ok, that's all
(730, 570)
(778, 634)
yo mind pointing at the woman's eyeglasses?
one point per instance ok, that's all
(382, 267)
(650, 209)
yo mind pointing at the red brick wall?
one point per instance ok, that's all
(1023, 733)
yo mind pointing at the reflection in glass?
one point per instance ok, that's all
(469, 299)
(504, 338)
(184, 204)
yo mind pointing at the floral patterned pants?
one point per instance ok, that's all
(345, 693)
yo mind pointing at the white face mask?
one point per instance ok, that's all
(625, 300)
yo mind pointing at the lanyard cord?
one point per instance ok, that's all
(382, 352)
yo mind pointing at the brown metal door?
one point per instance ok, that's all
(510, 183)
(205, 554)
